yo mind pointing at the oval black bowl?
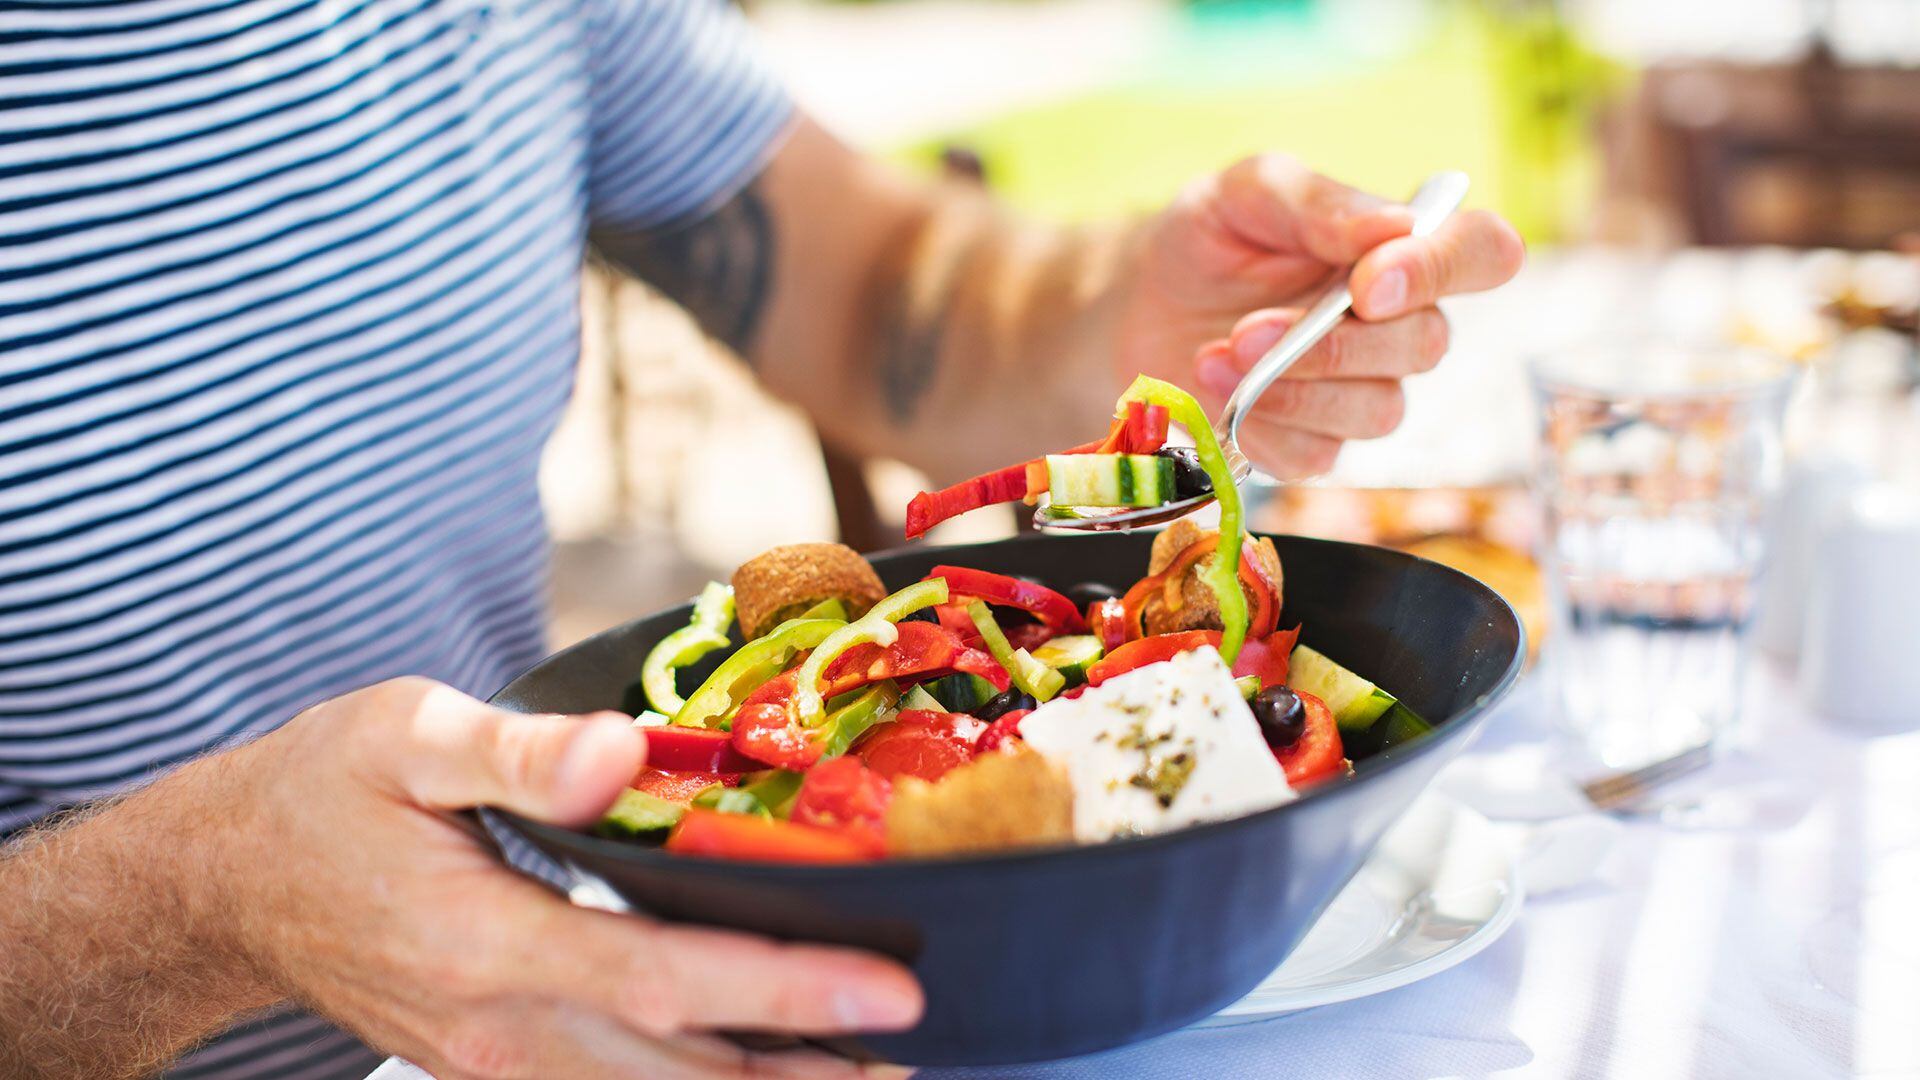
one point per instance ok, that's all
(1046, 954)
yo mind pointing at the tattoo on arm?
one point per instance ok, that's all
(912, 330)
(719, 268)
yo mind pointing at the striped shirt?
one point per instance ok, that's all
(288, 305)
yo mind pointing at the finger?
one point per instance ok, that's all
(1286, 452)
(1274, 201)
(1469, 252)
(1339, 408)
(1408, 345)
(447, 751)
(664, 979)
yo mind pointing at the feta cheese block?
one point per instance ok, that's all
(1159, 748)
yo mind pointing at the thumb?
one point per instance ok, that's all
(1276, 202)
(564, 770)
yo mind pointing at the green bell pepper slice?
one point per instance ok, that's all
(875, 626)
(873, 706)
(1223, 574)
(754, 663)
(705, 632)
(1030, 675)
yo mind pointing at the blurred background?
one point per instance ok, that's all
(1700, 172)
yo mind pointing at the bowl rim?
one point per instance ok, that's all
(1456, 726)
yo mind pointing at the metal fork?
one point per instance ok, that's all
(1616, 792)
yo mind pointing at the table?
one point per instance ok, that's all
(1790, 948)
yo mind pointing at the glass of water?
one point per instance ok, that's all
(1655, 466)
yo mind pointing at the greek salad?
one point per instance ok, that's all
(973, 711)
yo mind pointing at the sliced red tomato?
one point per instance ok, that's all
(1109, 621)
(920, 743)
(1003, 732)
(749, 837)
(919, 647)
(689, 749)
(1317, 754)
(1046, 605)
(679, 787)
(844, 794)
(1148, 650)
(1269, 657)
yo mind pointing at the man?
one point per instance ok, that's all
(287, 308)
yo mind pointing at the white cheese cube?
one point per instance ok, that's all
(1159, 748)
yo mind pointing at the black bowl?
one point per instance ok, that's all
(1046, 954)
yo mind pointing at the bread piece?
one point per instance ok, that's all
(1199, 609)
(783, 582)
(1002, 799)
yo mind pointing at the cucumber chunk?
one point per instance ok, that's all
(1070, 655)
(1109, 479)
(919, 698)
(1356, 703)
(636, 815)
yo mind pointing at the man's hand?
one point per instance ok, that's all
(1225, 270)
(324, 863)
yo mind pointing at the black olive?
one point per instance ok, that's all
(925, 614)
(1088, 593)
(1282, 716)
(1189, 479)
(1005, 702)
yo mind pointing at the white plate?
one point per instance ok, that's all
(1441, 886)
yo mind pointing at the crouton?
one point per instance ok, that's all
(1198, 609)
(783, 582)
(1000, 800)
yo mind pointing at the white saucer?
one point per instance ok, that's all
(1440, 887)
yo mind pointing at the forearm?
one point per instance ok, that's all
(112, 955)
(982, 339)
(909, 320)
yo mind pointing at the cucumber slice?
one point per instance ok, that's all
(918, 698)
(636, 814)
(1070, 655)
(1109, 479)
(1248, 685)
(1356, 703)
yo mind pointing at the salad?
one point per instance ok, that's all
(972, 711)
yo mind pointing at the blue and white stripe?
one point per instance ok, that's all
(287, 309)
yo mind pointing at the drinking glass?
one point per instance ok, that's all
(1655, 465)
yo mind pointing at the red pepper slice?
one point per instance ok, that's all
(746, 836)
(687, 749)
(1002, 732)
(844, 794)
(1317, 754)
(920, 743)
(1265, 615)
(955, 619)
(1142, 431)
(1046, 605)
(679, 787)
(1109, 620)
(1148, 650)
(1265, 657)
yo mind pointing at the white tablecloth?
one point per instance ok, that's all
(1790, 948)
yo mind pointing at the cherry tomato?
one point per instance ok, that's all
(920, 743)
(1317, 755)
(843, 793)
